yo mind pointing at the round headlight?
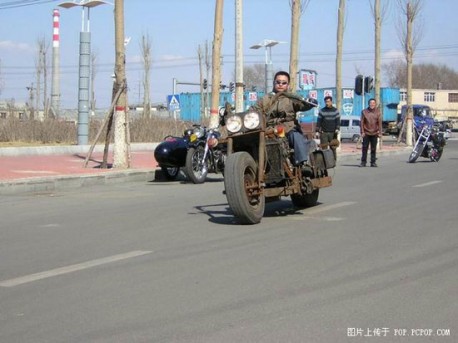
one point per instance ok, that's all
(234, 124)
(251, 120)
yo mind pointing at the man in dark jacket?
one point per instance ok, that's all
(328, 124)
(371, 130)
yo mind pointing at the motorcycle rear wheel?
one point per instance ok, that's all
(305, 200)
(194, 168)
(437, 157)
(241, 173)
(170, 174)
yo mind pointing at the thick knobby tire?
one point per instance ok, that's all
(170, 173)
(241, 171)
(305, 200)
(193, 168)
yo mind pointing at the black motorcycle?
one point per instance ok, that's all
(199, 151)
(431, 139)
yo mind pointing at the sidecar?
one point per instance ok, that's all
(171, 155)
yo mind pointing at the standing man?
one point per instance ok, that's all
(328, 124)
(371, 130)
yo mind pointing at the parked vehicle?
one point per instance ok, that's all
(350, 128)
(259, 168)
(431, 139)
(198, 152)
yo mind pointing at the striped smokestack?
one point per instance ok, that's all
(55, 87)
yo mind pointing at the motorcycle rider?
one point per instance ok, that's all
(280, 107)
(371, 130)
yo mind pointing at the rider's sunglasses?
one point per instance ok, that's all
(281, 83)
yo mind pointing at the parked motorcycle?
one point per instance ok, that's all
(199, 151)
(431, 139)
(260, 167)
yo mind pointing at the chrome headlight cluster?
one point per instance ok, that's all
(245, 121)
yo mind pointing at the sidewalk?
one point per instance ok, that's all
(44, 169)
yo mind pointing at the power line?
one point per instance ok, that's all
(23, 3)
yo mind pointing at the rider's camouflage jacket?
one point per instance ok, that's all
(281, 108)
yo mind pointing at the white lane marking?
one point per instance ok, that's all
(427, 183)
(319, 209)
(70, 269)
(325, 219)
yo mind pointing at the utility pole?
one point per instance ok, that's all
(55, 85)
(340, 33)
(216, 63)
(31, 108)
(238, 57)
(294, 47)
(121, 142)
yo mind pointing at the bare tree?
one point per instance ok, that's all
(424, 76)
(93, 75)
(40, 68)
(147, 60)
(201, 80)
(411, 10)
(340, 32)
(297, 9)
(254, 76)
(208, 68)
(1, 78)
(121, 153)
(216, 59)
(378, 13)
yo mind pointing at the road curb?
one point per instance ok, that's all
(67, 149)
(53, 183)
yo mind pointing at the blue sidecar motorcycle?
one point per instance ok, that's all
(198, 152)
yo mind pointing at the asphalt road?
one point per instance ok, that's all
(376, 260)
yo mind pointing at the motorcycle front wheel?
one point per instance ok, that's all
(416, 153)
(195, 168)
(240, 183)
(170, 173)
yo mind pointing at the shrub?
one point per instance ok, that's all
(55, 131)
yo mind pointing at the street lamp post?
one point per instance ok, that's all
(84, 65)
(267, 44)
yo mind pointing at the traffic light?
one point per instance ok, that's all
(221, 86)
(244, 87)
(368, 84)
(232, 87)
(359, 84)
(205, 83)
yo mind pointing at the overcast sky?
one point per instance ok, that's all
(178, 27)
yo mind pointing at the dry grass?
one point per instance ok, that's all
(15, 132)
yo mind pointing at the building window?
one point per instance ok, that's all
(403, 96)
(430, 97)
(3, 115)
(452, 97)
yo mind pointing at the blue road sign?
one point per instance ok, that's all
(173, 102)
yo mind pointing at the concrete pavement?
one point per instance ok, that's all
(49, 168)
